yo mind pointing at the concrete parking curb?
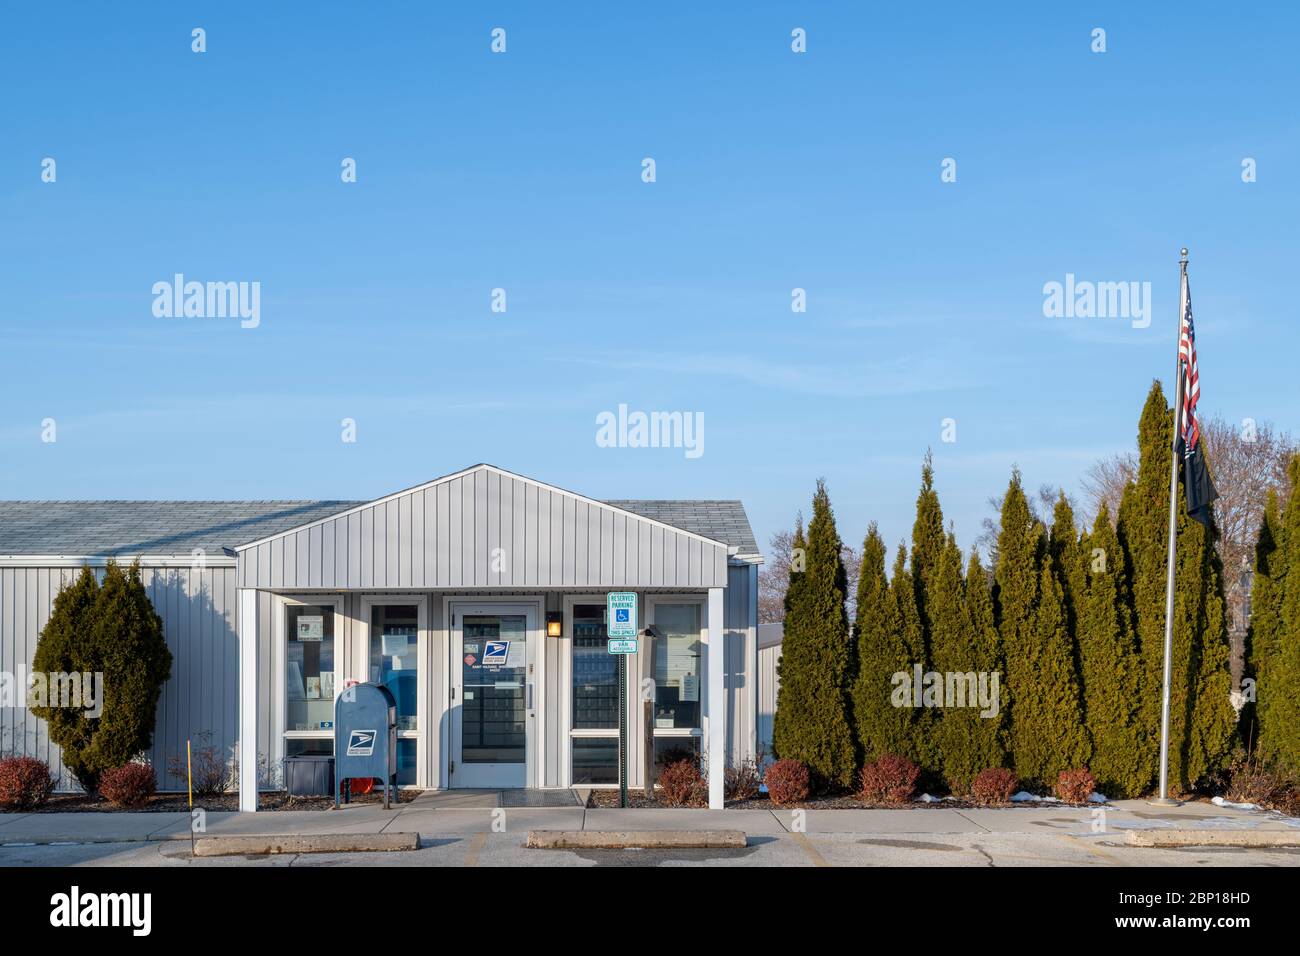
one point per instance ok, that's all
(635, 839)
(1244, 838)
(306, 843)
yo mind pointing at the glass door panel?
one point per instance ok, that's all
(492, 703)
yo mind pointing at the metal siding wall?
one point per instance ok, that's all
(740, 613)
(444, 536)
(768, 685)
(198, 612)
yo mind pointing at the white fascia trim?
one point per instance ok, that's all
(100, 560)
(469, 471)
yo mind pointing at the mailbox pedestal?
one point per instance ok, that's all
(365, 737)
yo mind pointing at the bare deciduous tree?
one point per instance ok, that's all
(1246, 461)
(1106, 481)
(774, 577)
(1041, 507)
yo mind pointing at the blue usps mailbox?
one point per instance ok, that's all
(365, 736)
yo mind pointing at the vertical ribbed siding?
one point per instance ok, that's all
(198, 612)
(485, 529)
(768, 685)
(740, 621)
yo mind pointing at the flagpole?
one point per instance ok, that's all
(1164, 800)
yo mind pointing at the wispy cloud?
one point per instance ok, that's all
(909, 375)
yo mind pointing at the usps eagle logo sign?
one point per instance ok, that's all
(361, 743)
(495, 653)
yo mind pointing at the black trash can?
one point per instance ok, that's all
(309, 775)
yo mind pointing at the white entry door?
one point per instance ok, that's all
(493, 697)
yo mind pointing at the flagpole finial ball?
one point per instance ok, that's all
(1184, 252)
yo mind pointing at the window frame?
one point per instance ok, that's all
(568, 732)
(701, 602)
(422, 702)
(281, 606)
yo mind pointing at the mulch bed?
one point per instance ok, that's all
(179, 802)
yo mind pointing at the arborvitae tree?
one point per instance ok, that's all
(961, 734)
(811, 722)
(988, 739)
(122, 640)
(1202, 720)
(1049, 716)
(879, 726)
(1111, 669)
(1066, 551)
(1264, 725)
(1282, 690)
(907, 635)
(62, 649)
(1015, 595)
(927, 545)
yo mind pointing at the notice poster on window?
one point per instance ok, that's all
(690, 690)
(311, 627)
(327, 685)
(515, 656)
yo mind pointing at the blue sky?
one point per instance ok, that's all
(522, 171)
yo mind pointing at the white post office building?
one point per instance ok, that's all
(272, 608)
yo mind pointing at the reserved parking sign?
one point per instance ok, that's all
(621, 608)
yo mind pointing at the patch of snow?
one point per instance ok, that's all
(1220, 802)
(1024, 796)
(926, 798)
(1096, 798)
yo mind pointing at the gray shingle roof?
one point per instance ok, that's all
(104, 528)
(723, 521)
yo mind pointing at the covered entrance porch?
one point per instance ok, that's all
(444, 593)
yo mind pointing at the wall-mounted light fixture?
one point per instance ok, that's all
(554, 623)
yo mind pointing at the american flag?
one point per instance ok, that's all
(1197, 483)
(1191, 431)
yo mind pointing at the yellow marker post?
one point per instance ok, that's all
(189, 785)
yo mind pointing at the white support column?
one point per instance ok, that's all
(247, 699)
(717, 744)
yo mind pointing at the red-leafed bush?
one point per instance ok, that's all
(891, 779)
(130, 785)
(25, 782)
(787, 782)
(1075, 786)
(682, 785)
(994, 785)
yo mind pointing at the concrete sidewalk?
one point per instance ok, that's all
(431, 816)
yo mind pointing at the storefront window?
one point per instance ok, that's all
(671, 750)
(309, 667)
(677, 666)
(406, 762)
(595, 674)
(309, 747)
(595, 760)
(394, 657)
